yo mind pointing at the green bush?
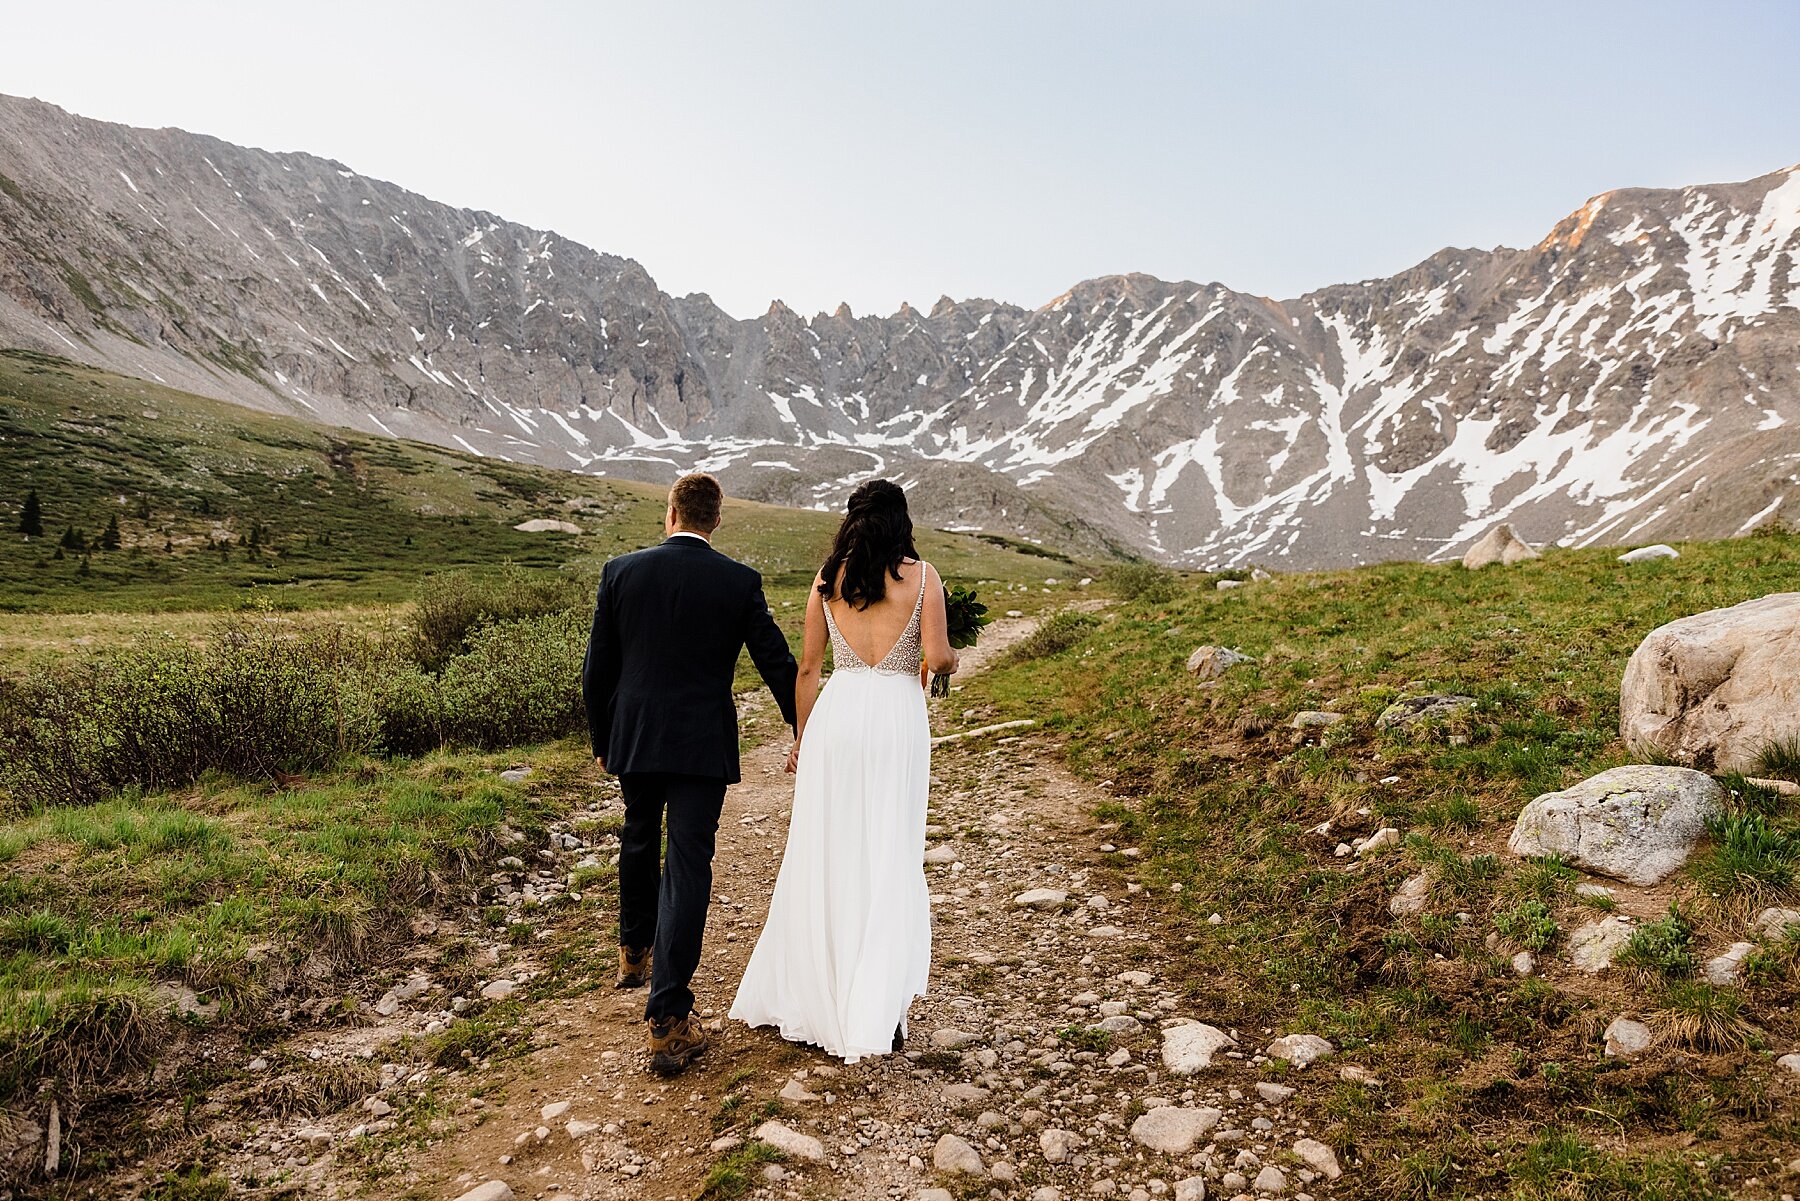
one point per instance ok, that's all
(250, 703)
(1148, 582)
(454, 607)
(1057, 634)
(519, 682)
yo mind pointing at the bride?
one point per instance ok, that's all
(848, 942)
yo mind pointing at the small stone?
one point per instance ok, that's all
(940, 855)
(1041, 898)
(1189, 1047)
(1057, 1144)
(1211, 662)
(1383, 838)
(1524, 963)
(388, 1006)
(1790, 1062)
(1410, 711)
(1004, 1172)
(492, 1190)
(515, 775)
(1411, 897)
(774, 1173)
(1234, 1182)
(1592, 947)
(796, 1093)
(1191, 1189)
(966, 1094)
(1774, 922)
(1121, 1024)
(954, 1155)
(1626, 1038)
(1174, 1130)
(1299, 1049)
(1729, 967)
(936, 1194)
(578, 1129)
(1273, 1093)
(730, 1142)
(1319, 1157)
(952, 1039)
(1597, 891)
(1104, 932)
(1308, 719)
(791, 1142)
(1048, 1192)
(554, 1110)
(499, 990)
(1271, 1180)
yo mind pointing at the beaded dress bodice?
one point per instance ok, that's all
(903, 660)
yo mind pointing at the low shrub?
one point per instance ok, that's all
(1056, 634)
(519, 682)
(456, 606)
(252, 702)
(1147, 582)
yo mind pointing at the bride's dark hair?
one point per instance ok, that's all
(876, 535)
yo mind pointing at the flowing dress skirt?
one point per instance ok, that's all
(848, 942)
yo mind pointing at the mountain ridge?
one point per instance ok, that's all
(1565, 387)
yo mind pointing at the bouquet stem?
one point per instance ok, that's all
(940, 685)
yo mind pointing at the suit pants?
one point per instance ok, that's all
(663, 906)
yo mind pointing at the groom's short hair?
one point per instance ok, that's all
(697, 499)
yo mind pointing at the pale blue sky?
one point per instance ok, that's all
(877, 153)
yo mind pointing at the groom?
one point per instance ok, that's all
(669, 622)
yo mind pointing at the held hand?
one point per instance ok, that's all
(600, 762)
(793, 760)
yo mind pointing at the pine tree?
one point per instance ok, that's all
(110, 539)
(31, 521)
(74, 539)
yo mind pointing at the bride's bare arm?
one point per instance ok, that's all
(934, 627)
(812, 666)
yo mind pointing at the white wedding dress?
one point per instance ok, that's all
(848, 942)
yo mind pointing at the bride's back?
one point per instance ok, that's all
(873, 631)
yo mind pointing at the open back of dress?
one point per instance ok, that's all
(848, 942)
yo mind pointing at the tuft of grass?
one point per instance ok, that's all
(1529, 924)
(1705, 1018)
(1780, 759)
(1660, 949)
(1149, 583)
(1752, 855)
(1085, 1038)
(737, 1173)
(1559, 1166)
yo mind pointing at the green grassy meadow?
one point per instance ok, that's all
(1490, 1083)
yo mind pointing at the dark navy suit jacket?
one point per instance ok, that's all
(669, 622)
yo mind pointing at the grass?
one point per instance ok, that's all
(738, 1172)
(226, 890)
(1223, 796)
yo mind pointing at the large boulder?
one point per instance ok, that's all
(1499, 545)
(1636, 823)
(1716, 688)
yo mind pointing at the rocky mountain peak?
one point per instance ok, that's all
(1632, 376)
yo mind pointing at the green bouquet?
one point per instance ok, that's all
(964, 616)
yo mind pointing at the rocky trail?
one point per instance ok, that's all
(1053, 1057)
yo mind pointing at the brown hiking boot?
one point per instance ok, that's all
(674, 1045)
(634, 968)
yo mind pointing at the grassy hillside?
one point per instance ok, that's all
(221, 508)
(1480, 1081)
